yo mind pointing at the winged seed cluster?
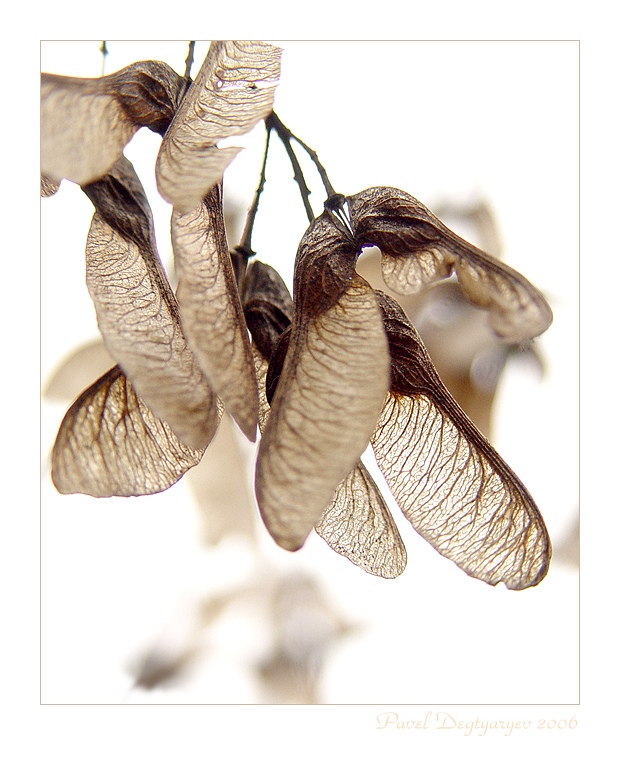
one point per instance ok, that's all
(323, 373)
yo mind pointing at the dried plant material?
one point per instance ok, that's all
(419, 250)
(226, 506)
(77, 372)
(161, 668)
(111, 444)
(330, 391)
(261, 365)
(301, 627)
(182, 642)
(477, 213)
(232, 92)
(211, 311)
(359, 525)
(137, 311)
(454, 333)
(306, 628)
(83, 129)
(468, 356)
(450, 483)
(48, 186)
(86, 123)
(267, 305)
(268, 309)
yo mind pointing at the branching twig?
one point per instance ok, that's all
(242, 253)
(190, 58)
(329, 189)
(244, 248)
(273, 122)
(334, 201)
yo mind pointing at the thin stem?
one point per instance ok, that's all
(242, 253)
(273, 122)
(335, 203)
(286, 136)
(104, 52)
(245, 246)
(190, 58)
(329, 189)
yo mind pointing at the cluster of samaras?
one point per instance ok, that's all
(322, 373)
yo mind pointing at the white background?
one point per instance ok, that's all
(445, 121)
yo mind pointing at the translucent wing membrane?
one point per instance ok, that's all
(261, 364)
(77, 371)
(86, 123)
(323, 376)
(48, 186)
(359, 525)
(233, 90)
(226, 507)
(111, 444)
(137, 311)
(83, 129)
(210, 306)
(450, 483)
(329, 394)
(418, 250)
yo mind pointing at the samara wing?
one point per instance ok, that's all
(418, 250)
(448, 480)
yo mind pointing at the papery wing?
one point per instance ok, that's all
(77, 371)
(359, 526)
(233, 90)
(325, 407)
(48, 186)
(450, 483)
(111, 444)
(87, 122)
(83, 128)
(137, 311)
(222, 488)
(261, 365)
(517, 310)
(211, 311)
(418, 250)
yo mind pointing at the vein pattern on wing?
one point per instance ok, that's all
(448, 480)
